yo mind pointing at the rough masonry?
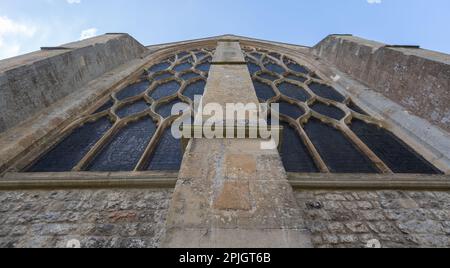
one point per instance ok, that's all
(35, 81)
(417, 79)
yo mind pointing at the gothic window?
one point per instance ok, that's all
(325, 131)
(130, 131)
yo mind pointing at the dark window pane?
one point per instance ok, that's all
(105, 106)
(200, 55)
(182, 67)
(256, 55)
(273, 67)
(295, 155)
(73, 148)
(166, 109)
(356, 108)
(297, 68)
(183, 54)
(268, 76)
(168, 154)
(263, 90)
(296, 78)
(189, 75)
(133, 90)
(133, 108)
(340, 155)
(204, 67)
(159, 67)
(329, 111)
(392, 151)
(327, 92)
(196, 88)
(164, 90)
(291, 110)
(275, 55)
(253, 68)
(162, 76)
(126, 148)
(293, 91)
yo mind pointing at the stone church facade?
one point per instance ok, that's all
(87, 153)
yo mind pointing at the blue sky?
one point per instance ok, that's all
(27, 25)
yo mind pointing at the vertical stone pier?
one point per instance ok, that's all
(230, 192)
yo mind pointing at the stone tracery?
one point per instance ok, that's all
(307, 101)
(136, 119)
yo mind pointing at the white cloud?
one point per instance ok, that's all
(12, 34)
(74, 1)
(374, 2)
(88, 33)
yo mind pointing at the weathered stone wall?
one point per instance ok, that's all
(98, 218)
(395, 218)
(32, 82)
(417, 79)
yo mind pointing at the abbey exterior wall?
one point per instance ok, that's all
(398, 219)
(417, 79)
(137, 217)
(97, 218)
(33, 82)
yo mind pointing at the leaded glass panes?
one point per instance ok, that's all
(131, 129)
(323, 130)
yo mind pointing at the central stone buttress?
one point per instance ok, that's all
(230, 192)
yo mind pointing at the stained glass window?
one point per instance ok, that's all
(131, 129)
(324, 131)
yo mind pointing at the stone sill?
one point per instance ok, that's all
(88, 180)
(299, 181)
(369, 181)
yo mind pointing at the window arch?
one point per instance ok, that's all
(130, 130)
(335, 134)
